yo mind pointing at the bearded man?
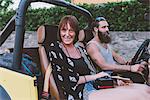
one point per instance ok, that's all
(100, 51)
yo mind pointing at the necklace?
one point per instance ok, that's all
(68, 51)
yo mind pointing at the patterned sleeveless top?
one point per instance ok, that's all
(66, 72)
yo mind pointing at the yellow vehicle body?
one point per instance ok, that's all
(18, 86)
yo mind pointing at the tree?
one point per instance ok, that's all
(4, 4)
(144, 1)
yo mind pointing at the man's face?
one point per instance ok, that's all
(103, 26)
(103, 32)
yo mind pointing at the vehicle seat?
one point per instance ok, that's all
(85, 35)
(47, 34)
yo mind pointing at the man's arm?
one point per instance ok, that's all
(118, 58)
(100, 61)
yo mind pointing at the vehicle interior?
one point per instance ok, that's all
(45, 35)
(43, 42)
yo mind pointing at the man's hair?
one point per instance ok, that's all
(73, 22)
(98, 19)
(95, 23)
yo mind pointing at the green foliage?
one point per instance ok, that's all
(4, 18)
(68, 0)
(122, 16)
(4, 4)
(4, 14)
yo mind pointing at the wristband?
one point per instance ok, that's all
(126, 63)
(130, 68)
(85, 79)
(45, 95)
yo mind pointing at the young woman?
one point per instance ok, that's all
(69, 68)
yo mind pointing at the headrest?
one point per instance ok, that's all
(41, 34)
(88, 35)
(85, 35)
(46, 34)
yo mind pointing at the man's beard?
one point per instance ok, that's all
(104, 37)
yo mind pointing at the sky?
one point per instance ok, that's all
(33, 5)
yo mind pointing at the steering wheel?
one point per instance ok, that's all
(142, 54)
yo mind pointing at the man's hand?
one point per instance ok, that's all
(144, 63)
(137, 68)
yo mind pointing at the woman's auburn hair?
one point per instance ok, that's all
(73, 22)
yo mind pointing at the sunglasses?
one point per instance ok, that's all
(100, 19)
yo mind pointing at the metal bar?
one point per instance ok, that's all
(8, 29)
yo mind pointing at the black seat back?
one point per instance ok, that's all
(50, 35)
(46, 35)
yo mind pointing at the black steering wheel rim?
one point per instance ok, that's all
(140, 51)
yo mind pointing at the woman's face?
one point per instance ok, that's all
(67, 34)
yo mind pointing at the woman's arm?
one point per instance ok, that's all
(47, 77)
(87, 78)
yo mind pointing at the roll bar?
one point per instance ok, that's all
(20, 24)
